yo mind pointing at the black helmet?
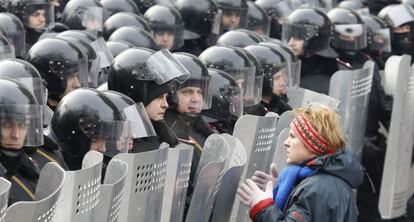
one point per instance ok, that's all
(115, 6)
(199, 78)
(134, 35)
(122, 19)
(294, 64)
(229, 8)
(275, 67)
(85, 14)
(257, 19)
(18, 104)
(379, 35)
(83, 116)
(13, 29)
(227, 98)
(116, 47)
(144, 5)
(56, 60)
(239, 38)
(202, 18)
(25, 8)
(349, 30)
(162, 20)
(397, 15)
(135, 73)
(240, 66)
(354, 5)
(135, 113)
(278, 11)
(6, 49)
(311, 25)
(26, 74)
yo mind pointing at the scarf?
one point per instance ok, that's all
(288, 178)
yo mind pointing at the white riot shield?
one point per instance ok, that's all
(281, 151)
(396, 184)
(256, 133)
(43, 208)
(177, 178)
(144, 185)
(284, 122)
(352, 88)
(80, 191)
(300, 97)
(4, 197)
(230, 182)
(111, 192)
(391, 71)
(208, 178)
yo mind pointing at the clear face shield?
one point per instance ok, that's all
(380, 40)
(140, 122)
(168, 37)
(70, 73)
(294, 72)
(201, 84)
(104, 59)
(302, 31)
(6, 52)
(233, 19)
(21, 125)
(164, 67)
(250, 84)
(260, 27)
(109, 137)
(36, 87)
(93, 18)
(39, 16)
(18, 41)
(350, 37)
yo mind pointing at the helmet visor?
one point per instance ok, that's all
(380, 40)
(350, 37)
(21, 125)
(294, 73)
(168, 36)
(141, 125)
(102, 52)
(299, 31)
(250, 84)
(202, 85)
(164, 67)
(36, 87)
(7, 52)
(93, 18)
(18, 40)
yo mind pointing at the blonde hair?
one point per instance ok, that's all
(326, 122)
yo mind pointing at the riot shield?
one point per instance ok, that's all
(208, 177)
(391, 71)
(4, 196)
(396, 183)
(111, 192)
(144, 185)
(256, 133)
(282, 123)
(177, 178)
(228, 187)
(300, 97)
(80, 191)
(281, 151)
(48, 190)
(352, 88)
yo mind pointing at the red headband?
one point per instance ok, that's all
(310, 137)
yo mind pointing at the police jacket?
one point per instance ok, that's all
(325, 196)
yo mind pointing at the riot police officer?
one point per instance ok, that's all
(307, 31)
(148, 77)
(21, 126)
(13, 29)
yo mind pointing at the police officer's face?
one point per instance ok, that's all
(296, 45)
(98, 144)
(296, 150)
(279, 84)
(13, 134)
(156, 109)
(164, 39)
(72, 84)
(38, 19)
(230, 19)
(190, 100)
(402, 29)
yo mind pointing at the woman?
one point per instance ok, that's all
(318, 182)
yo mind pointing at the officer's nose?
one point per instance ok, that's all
(164, 103)
(15, 133)
(291, 42)
(76, 82)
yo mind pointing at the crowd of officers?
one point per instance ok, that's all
(127, 75)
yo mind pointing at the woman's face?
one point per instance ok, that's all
(297, 153)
